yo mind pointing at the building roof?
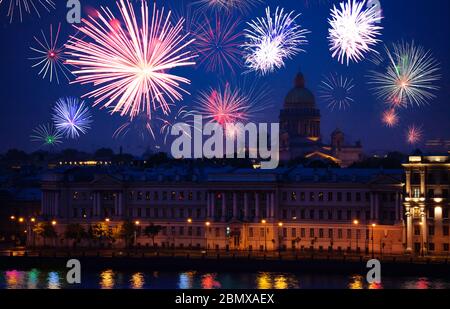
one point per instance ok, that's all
(300, 97)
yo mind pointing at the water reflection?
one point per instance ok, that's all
(265, 280)
(107, 279)
(137, 281)
(33, 279)
(14, 279)
(356, 283)
(209, 282)
(186, 280)
(53, 280)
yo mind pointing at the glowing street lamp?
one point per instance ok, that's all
(263, 221)
(136, 223)
(356, 223)
(54, 222)
(107, 220)
(207, 224)
(373, 227)
(33, 220)
(21, 220)
(280, 238)
(189, 220)
(13, 217)
(421, 239)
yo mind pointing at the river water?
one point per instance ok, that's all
(112, 279)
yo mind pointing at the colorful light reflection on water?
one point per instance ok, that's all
(112, 279)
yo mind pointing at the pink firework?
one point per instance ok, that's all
(414, 135)
(390, 118)
(218, 44)
(128, 60)
(50, 56)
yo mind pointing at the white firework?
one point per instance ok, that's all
(409, 78)
(271, 40)
(354, 30)
(72, 117)
(336, 90)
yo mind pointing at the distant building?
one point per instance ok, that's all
(236, 209)
(438, 145)
(300, 134)
(427, 204)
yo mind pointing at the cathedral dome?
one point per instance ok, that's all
(299, 97)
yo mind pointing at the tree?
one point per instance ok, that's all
(152, 231)
(104, 154)
(75, 232)
(126, 231)
(100, 232)
(45, 230)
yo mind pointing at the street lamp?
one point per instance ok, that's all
(373, 227)
(136, 223)
(263, 221)
(107, 220)
(21, 220)
(356, 223)
(189, 220)
(13, 217)
(207, 224)
(280, 237)
(54, 222)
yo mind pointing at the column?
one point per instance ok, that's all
(120, 210)
(272, 205)
(55, 204)
(213, 205)
(424, 230)
(267, 206)
(397, 207)
(422, 183)
(224, 207)
(409, 231)
(372, 206)
(256, 206)
(235, 207)
(245, 206)
(438, 232)
(408, 183)
(377, 206)
(208, 205)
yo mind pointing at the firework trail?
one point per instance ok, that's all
(184, 115)
(271, 40)
(227, 5)
(72, 117)
(28, 6)
(141, 124)
(408, 78)
(337, 90)
(128, 61)
(47, 135)
(50, 56)
(218, 44)
(353, 30)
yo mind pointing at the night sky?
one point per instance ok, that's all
(26, 99)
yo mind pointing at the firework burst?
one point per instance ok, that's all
(141, 124)
(47, 135)
(271, 40)
(409, 78)
(337, 90)
(182, 115)
(354, 30)
(390, 118)
(50, 56)
(218, 44)
(129, 64)
(414, 135)
(72, 117)
(28, 6)
(227, 5)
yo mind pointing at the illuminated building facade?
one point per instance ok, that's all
(427, 204)
(237, 209)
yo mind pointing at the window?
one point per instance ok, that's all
(431, 246)
(284, 232)
(320, 233)
(311, 233)
(147, 212)
(340, 233)
(358, 197)
(446, 247)
(199, 196)
(367, 197)
(293, 232)
(330, 196)
(250, 232)
(445, 193)
(156, 213)
(302, 233)
(302, 214)
(431, 230)
(321, 214)
(181, 213)
(199, 231)
(190, 231)
(349, 234)
(139, 195)
(339, 214)
(293, 196)
(198, 213)
(349, 214)
(417, 230)
(284, 196)
(130, 195)
(173, 195)
(330, 215)
(311, 214)
(172, 230)
(139, 212)
(311, 196)
(293, 213)
(190, 196)
(217, 232)
(445, 213)
(349, 196)
(339, 196)
(181, 230)
(430, 212)
(445, 230)
(181, 195)
(156, 195)
(330, 233)
(147, 196)
(164, 196)
(431, 193)
(75, 196)
(261, 232)
(284, 214)
(416, 192)
(320, 196)
(302, 196)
